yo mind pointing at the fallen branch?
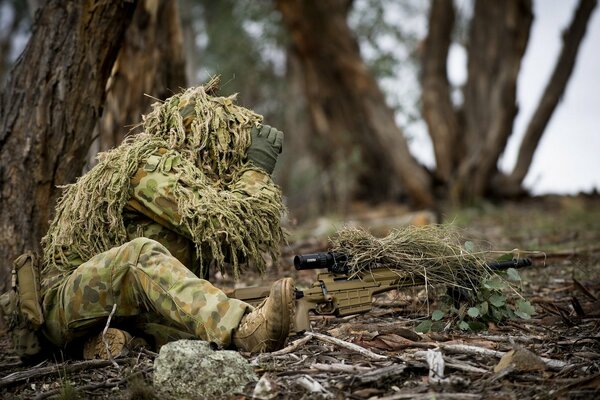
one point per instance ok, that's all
(345, 368)
(63, 368)
(93, 386)
(347, 345)
(290, 348)
(433, 395)
(380, 374)
(422, 355)
(555, 365)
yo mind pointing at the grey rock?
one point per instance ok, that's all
(191, 369)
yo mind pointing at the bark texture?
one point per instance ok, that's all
(347, 108)
(150, 66)
(52, 99)
(438, 111)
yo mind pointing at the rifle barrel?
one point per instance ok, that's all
(514, 263)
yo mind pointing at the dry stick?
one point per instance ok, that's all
(104, 384)
(347, 345)
(20, 376)
(555, 365)
(290, 348)
(432, 395)
(421, 355)
(106, 345)
(345, 368)
(510, 339)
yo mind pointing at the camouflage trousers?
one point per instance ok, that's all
(144, 283)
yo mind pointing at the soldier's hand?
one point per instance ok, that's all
(267, 143)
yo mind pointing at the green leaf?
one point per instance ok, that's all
(524, 307)
(494, 283)
(469, 246)
(463, 325)
(437, 315)
(424, 326)
(497, 300)
(484, 308)
(473, 312)
(513, 274)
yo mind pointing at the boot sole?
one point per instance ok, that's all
(117, 341)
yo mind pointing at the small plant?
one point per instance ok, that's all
(68, 391)
(495, 300)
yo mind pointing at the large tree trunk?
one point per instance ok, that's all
(48, 109)
(438, 111)
(498, 38)
(150, 66)
(347, 107)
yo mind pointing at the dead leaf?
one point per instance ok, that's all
(520, 359)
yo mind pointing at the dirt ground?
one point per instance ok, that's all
(378, 355)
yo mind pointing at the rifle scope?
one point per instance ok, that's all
(334, 262)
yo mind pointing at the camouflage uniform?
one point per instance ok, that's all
(152, 278)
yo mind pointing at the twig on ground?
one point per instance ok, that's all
(347, 345)
(555, 365)
(106, 345)
(92, 386)
(290, 348)
(20, 376)
(340, 368)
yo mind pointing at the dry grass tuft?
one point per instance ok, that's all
(434, 254)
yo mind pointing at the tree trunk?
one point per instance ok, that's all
(48, 109)
(347, 107)
(554, 90)
(438, 111)
(497, 42)
(150, 66)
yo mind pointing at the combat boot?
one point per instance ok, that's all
(268, 325)
(116, 340)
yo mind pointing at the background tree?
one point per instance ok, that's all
(348, 111)
(469, 139)
(49, 105)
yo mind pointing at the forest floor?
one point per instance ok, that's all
(555, 354)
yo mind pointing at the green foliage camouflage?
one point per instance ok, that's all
(209, 137)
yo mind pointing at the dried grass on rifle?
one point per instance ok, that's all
(432, 254)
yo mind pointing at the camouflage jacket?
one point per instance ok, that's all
(152, 208)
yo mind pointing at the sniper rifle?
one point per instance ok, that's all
(338, 293)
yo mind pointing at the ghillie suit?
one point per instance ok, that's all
(184, 182)
(199, 140)
(432, 254)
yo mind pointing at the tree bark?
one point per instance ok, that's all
(498, 38)
(438, 111)
(347, 107)
(150, 66)
(52, 100)
(553, 92)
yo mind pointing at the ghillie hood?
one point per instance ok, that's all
(209, 137)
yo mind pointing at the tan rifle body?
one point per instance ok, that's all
(334, 294)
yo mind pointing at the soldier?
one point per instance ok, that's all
(132, 237)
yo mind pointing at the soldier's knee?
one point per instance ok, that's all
(145, 245)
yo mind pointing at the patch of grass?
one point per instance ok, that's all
(68, 391)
